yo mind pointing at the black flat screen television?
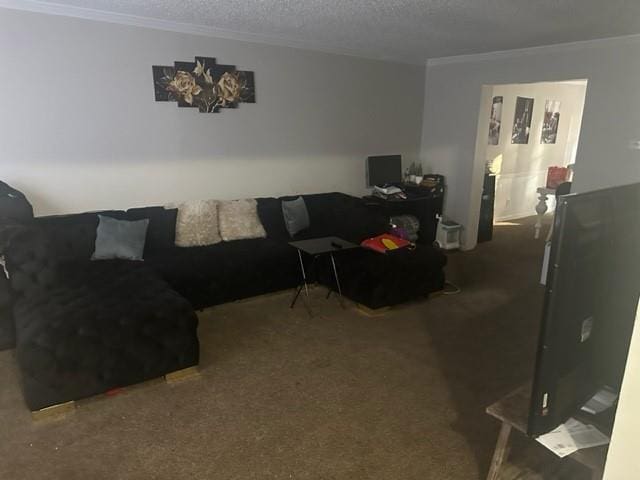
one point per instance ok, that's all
(592, 290)
(384, 169)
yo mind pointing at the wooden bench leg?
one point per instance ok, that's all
(500, 453)
(53, 412)
(184, 374)
(370, 312)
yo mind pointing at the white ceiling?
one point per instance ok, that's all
(402, 30)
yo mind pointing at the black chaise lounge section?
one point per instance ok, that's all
(83, 327)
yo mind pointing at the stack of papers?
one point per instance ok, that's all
(600, 402)
(572, 436)
(4, 266)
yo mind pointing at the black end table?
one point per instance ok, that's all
(317, 247)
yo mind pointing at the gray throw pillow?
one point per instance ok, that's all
(296, 216)
(120, 239)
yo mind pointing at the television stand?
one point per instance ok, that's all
(513, 411)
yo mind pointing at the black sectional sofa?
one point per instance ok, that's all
(83, 327)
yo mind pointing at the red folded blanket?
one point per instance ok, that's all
(385, 242)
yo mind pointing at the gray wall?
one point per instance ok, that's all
(611, 115)
(80, 128)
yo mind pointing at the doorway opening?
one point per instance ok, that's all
(524, 130)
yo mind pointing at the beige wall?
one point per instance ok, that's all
(80, 129)
(523, 168)
(623, 460)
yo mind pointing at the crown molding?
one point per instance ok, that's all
(543, 49)
(49, 8)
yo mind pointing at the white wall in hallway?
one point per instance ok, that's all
(80, 129)
(523, 167)
(623, 461)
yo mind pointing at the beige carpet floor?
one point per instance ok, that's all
(336, 395)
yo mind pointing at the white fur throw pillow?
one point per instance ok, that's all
(197, 223)
(239, 220)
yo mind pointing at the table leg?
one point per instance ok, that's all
(295, 297)
(304, 274)
(500, 453)
(541, 209)
(304, 280)
(335, 274)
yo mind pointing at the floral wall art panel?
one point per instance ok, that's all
(203, 84)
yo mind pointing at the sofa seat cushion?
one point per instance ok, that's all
(104, 324)
(246, 268)
(378, 280)
(229, 270)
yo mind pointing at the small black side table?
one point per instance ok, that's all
(317, 247)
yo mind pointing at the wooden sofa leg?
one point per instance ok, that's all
(54, 411)
(181, 375)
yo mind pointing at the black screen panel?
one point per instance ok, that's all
(384, 169)
(592, 292)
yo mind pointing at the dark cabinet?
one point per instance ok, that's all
(485, 227)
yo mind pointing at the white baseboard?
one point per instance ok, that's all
(515, 216)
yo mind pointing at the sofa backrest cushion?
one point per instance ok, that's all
(74, 235)
(161, 232)
(329, 214)
(31, 263)
(341, 215)
(270, 214)
(7, 327)
(14, 206)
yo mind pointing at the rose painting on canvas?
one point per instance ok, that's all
(203, 84)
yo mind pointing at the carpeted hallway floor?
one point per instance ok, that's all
(339, 395)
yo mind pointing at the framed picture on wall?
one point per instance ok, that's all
(550, 121)
(495, 121)
(522, 120)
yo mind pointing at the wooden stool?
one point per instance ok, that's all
(513, 411)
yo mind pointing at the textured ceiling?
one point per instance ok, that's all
(404, 30)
